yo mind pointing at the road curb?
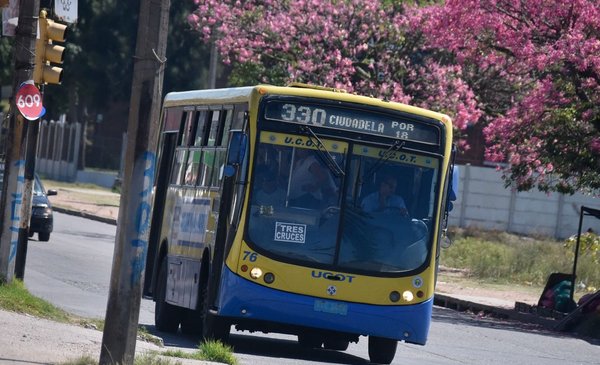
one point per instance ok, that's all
(462, 305)
(84, 215)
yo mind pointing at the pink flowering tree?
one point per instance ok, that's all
(535, 67)
(369, 47)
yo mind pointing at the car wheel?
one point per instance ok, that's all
(44, 236)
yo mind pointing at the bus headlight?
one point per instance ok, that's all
(255, 273)
(408, 296)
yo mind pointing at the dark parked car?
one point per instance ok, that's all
(41, 210)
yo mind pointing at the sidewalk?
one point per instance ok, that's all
(30, 340)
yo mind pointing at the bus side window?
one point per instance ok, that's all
(191, 171)
(217, 168)
(177, 173)
(239, 111)
(199, 138)
(185, 128)
(227, 120)
(214, 127)
(206, 167)
(173, 118)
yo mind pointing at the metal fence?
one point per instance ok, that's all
(58, 149)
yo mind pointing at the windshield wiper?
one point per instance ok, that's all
(397, 146)
(323, 153)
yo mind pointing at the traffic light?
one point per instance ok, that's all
(46, 52)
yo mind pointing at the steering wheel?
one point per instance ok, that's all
(420, 228)
(401, 212)
(329, 211)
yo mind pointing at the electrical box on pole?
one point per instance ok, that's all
(47, 52)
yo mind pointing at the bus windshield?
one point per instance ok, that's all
(374, 217)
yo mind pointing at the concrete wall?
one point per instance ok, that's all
(484, 202)
(101, 178)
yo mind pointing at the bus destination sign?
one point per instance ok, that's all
(352, 120)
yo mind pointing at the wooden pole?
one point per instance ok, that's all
(122, 313)
(13, 187)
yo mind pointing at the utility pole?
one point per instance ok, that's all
(23, 236)
(131, 246)
(12, 203)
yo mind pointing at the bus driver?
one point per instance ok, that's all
(385, 199)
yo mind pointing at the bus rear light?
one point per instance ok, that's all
(269, 278)
(244, 268)
(408, 296)
(420, 294)
(394, 296)
(255, 273)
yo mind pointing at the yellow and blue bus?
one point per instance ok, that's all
(299, 210)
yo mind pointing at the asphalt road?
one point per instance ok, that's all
(72, 271)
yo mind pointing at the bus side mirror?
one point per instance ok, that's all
(453, 188)
(237, 151)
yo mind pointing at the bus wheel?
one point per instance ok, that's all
(193, 319)
(191, 322)
(382, 350)
(215, 328)
(166, 316)
(336, 344)
(310, 341)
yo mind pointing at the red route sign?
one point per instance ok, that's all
(29, 101)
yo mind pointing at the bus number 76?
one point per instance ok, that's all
(250, 256)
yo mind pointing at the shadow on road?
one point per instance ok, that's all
(263, 346)
(174, 339)
(277, 348)
(467, 318)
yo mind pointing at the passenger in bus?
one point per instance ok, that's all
(311, 184)
(267, 190)
(385, 198)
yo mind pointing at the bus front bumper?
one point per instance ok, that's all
(242, 300)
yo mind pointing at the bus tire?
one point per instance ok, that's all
(382, 350)
(310, 341)
(336, 344)
(215, 328)
(191, 322)
(166, 316)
